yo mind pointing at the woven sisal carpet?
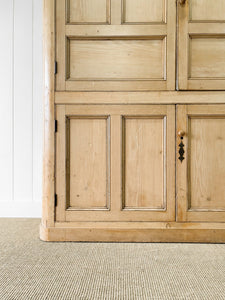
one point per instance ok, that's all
(32, 269)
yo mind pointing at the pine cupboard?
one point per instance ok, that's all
(134, 133)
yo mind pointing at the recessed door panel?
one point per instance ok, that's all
(201, 173)
(206, 58)
(207, 10)
(144, 11)
(88, 163)
(88, 11)
(117, 59)
(144, 152)
(206, 155)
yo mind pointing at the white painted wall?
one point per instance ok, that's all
(21, 105)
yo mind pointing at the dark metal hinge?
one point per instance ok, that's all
(56, 67)
(56, 199)
(56, 125)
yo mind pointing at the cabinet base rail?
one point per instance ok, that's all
(165, 232)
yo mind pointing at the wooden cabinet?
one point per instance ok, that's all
(129, 156)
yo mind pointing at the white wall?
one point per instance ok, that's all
(20, 108)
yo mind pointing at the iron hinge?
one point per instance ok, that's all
(56, 67)
(56, 198)
(56, 125)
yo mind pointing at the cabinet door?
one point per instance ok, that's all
(122, 45)
(115, 163)
(201, 168)
(201, 43)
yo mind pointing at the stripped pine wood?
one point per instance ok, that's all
(144, 11)
(60, 52)
(88, 164)
(144, 153)
(140, 97)
(88, 168)
(203, 10)
(200, 188)
(136, 232)
(206, 169)
(200, 65)
(116, 12)
(60, 171)
(88, 11)
(142, 59)
(121, 59)
(124, 131)
(201, 35)
(48, 207)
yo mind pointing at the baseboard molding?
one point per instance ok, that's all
(145, 232)
(20, 209)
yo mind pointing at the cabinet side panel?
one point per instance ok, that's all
(48, 151)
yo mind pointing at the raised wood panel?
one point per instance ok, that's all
(206, 154)
(144, 11)
(144, 179)
(206, 57)
(207, 10)
(87, 163)
(200, 177)
(88, 11)
(116, 59)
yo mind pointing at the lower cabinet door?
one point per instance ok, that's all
(201, 163)
(115, 163)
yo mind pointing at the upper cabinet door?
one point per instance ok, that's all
(115, 45)
(201, 45)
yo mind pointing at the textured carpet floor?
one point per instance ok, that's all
(32, 269)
